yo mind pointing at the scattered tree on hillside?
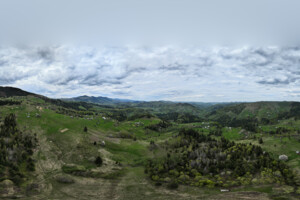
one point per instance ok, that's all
(16, 150)
(98, 161)
(194, 158)
(159, 126)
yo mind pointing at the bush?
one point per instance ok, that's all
(98, 161)
(158, 183)
(65, 180)
(85, 129)
(127, 135)
(172, 185)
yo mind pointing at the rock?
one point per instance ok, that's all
(228, 173)
(283, 157)
(277, 173)
(92, 159)
(224, 190)
(7, 183)
(255, 181)
(7, 188)
(167, 179)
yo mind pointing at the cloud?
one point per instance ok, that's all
(189, 73)
(275, 81)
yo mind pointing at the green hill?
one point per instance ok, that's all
(54, 149)
(266, 112)
(11, 91)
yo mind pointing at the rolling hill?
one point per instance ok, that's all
(265, 112)
(83, 150)
(11, 91)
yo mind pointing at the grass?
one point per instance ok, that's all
(232, 134)
(75, 147)
(261, 188)
(277, 147)
(128, 152)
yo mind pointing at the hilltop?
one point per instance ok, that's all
(11, 91)
(265, 112)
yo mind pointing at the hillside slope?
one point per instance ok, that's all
(265, 112)
(139, 161)
(11, 91)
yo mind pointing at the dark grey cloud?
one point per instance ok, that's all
(3, 62)
(46, 54)
(119, 93)
(9, 78)
(95, 82)
(174, 67)
(275, 81)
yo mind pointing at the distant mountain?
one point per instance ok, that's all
(168, 106)
(99, 100)
(226, 113)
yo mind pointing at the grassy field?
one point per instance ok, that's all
(122, 174)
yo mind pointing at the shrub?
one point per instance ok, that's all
(158, 183)
(172, 185)
(65, 180)
(98, 161)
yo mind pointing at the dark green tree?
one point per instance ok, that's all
(98, 161)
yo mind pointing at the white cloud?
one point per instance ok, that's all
(179, 73)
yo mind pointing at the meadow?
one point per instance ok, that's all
(65, 156)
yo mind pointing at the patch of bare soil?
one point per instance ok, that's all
(46, 167)
(240, 196)
(98, 136)
(39, 108)
(64, 130)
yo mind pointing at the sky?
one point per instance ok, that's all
(191, 50)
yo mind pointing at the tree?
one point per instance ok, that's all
(16, 151)
(98, 161)
(85, 129)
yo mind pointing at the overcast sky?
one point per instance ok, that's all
(209, 51)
